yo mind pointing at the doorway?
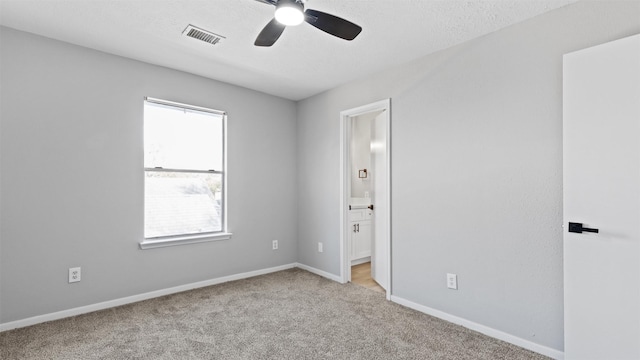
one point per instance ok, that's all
(366, 192)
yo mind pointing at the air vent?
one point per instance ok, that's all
(202, 35)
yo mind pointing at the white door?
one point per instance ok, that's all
(601, 140)
(380, 178)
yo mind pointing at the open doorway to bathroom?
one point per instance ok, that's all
(366, 200)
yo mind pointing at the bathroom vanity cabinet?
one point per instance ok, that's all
(361, 234)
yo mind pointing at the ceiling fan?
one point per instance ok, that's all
(292, 12)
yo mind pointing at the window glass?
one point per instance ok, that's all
(179, 203)
(177, 138)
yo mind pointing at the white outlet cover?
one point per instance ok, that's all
(452, 281)
(320, 249)
(274, 244)
(75, 274)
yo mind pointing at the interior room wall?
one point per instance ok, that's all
(360, 155)
(72, 178)
(476, 170)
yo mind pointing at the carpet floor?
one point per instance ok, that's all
(291, 314)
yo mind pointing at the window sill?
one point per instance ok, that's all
(183, 240)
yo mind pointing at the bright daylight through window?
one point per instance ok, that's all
(184, 171)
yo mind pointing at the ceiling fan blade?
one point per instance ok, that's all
(270, 2)
(332, 24)
(269, 34)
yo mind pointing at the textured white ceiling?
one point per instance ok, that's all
(305, 61)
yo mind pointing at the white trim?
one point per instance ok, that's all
(365, 109)
(345, 190)
(361, 261)
(322, 273)
(540, 349)
(184, 106)
(135, 298)
(183, 240)
(345, 186)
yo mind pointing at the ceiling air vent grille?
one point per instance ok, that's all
(202, 35)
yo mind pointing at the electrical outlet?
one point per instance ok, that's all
(452, 281)
(274, 244)
(74, 274)
(320, 249)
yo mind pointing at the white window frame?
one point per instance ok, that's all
(157, 242)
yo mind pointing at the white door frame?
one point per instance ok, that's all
(345, 185)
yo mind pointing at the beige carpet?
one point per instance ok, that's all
(291, 314)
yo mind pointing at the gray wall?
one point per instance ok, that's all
(361, 155)
(72, 178)
(476, 172)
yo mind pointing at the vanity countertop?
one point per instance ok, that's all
(359, 203)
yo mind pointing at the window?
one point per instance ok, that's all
(184, 174)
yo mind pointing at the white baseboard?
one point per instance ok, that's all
(320, 272)
(135, 298)
(361, 261)
(541, 349)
